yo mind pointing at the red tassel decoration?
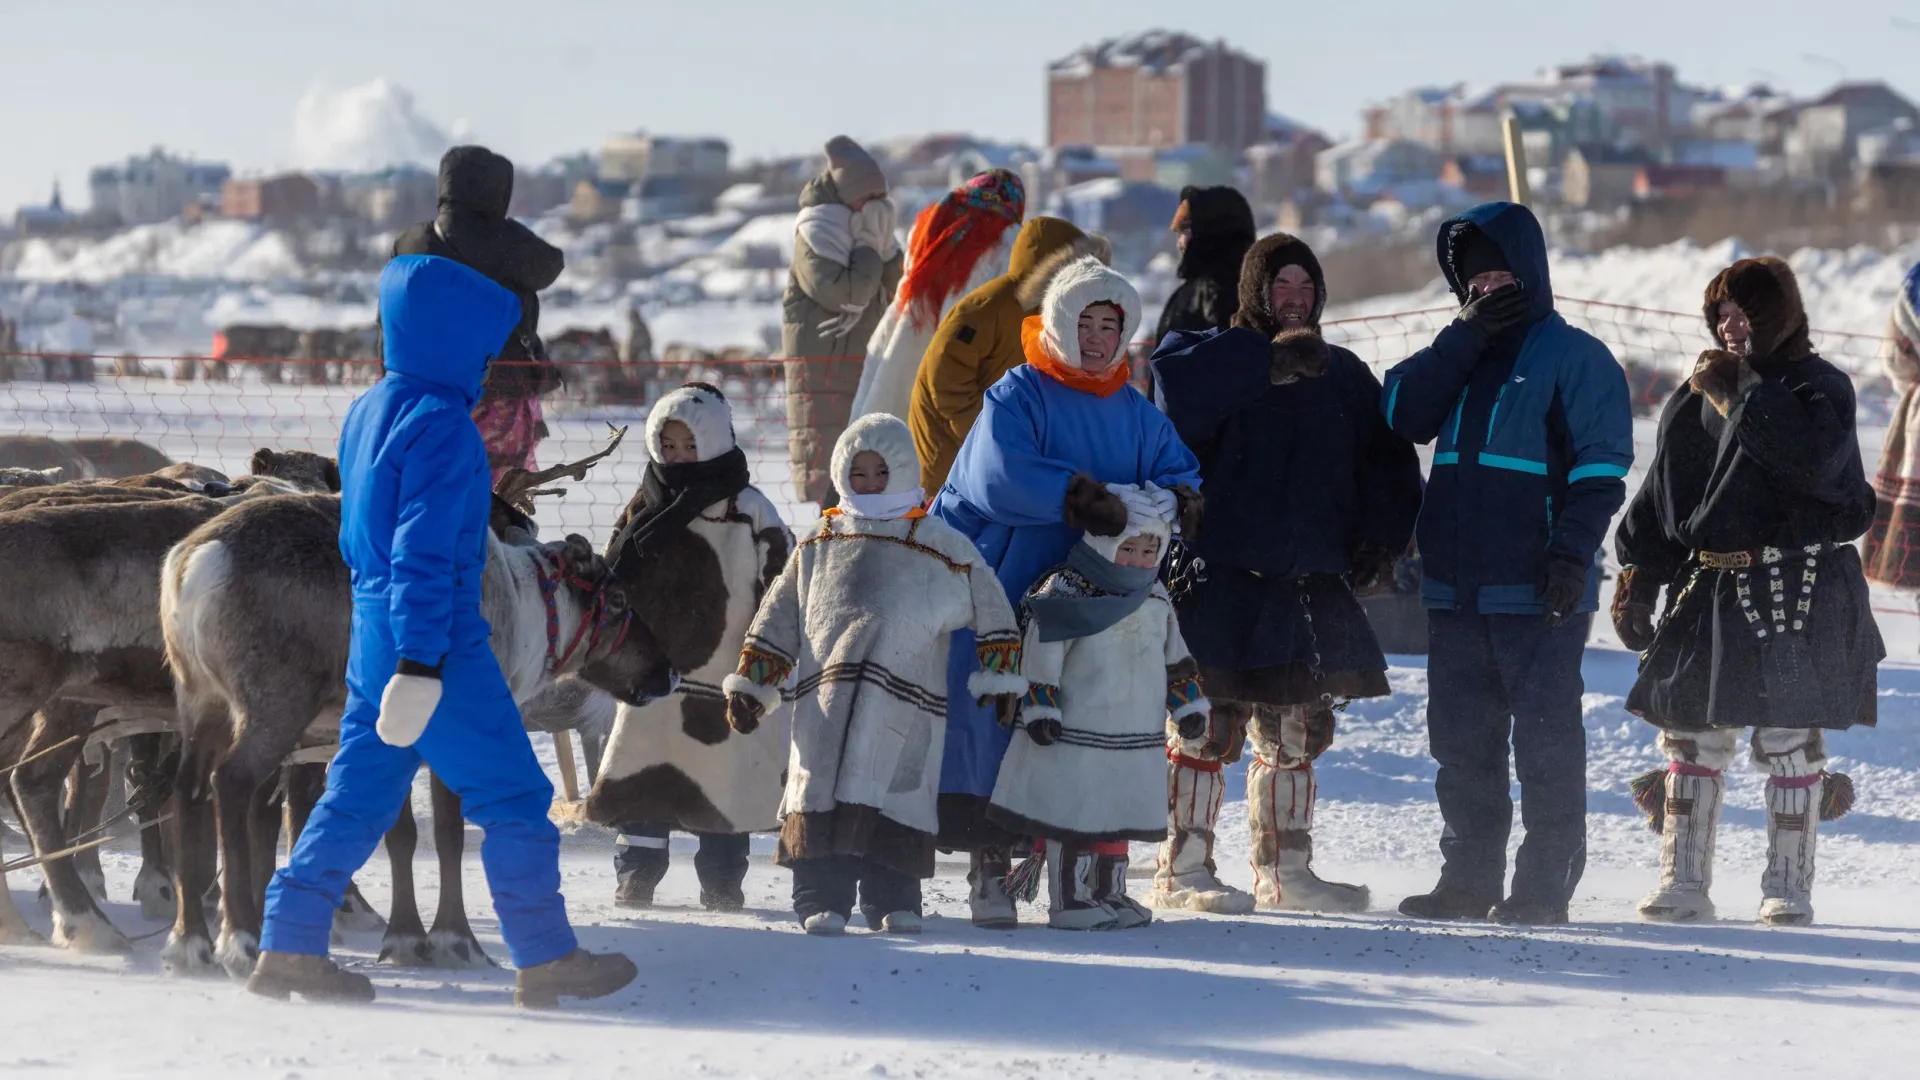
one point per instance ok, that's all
(1650, 795)
(1836, 795)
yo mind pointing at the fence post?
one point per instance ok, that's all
(1517, 189)
(569, 777)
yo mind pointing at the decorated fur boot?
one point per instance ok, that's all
(1280, 814)
(1070, 900)
(1110, 885)
(1185, 879)
(1793, 817)
(1687, 818)
(987, 897)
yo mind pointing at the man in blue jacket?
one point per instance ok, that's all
(422, 682)
(1532, 437)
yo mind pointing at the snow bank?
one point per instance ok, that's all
(1846, 291)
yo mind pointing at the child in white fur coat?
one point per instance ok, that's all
(861, 619)
(1107, 671)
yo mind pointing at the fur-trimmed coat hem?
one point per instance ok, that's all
(1020, 825)
(862, 831)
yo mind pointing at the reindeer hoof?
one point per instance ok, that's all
(455, 951)
(406, 950)
(236, 953)
(188, 957)
(155, 895)
(356, 916)
(89, 932)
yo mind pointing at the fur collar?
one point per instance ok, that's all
(1266, 258)
(1765, 289)
(1033, 288)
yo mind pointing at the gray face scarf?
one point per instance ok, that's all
(1065, 609)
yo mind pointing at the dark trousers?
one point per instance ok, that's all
(829, 883)
(721, 862)
(1494, 680)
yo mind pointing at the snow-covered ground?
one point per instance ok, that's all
(1367, 996)
(1372, 995)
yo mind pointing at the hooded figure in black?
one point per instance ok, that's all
(1215, 225)
(472, 227)
(1309, 496)
(1748, 518)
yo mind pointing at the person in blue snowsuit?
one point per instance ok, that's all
(422, 682)
(1532, 436)
(1029, 479)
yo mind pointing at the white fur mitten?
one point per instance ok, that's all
(405, 707)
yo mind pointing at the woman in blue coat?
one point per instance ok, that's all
(422, 682)
(1029, 480)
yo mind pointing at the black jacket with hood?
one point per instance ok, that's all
(472, 227)
(1209, 292)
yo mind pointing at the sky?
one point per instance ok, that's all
(263, 84)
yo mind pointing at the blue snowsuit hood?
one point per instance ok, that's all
(1532, 437)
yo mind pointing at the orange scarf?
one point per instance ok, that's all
(1099, 384)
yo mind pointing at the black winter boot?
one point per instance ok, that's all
(1516, 911)
(721, 864)
(1446, 903)
(639, 862)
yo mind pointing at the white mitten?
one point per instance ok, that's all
(1142, 510)
(1165, 502)
(405, 707)
(873, 227)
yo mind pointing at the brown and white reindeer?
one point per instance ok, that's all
(80, 565)
(256, 607)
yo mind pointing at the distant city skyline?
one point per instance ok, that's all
(266, 86)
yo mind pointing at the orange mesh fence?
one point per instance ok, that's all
(216, 412)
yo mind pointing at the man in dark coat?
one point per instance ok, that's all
(472, 227)
(1309, 496)
(1748, 518)
(1532, 433)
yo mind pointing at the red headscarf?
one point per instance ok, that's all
(951, 237)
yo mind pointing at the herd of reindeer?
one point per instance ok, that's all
(191, 628)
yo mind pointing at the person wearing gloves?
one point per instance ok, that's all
(1532, 432)
(1059, 450)
(422, 682)
(957, 245)
(1309, 499)
(846, 266)
(714, 543)
(979, 340)
(1100, 631)
(1747, 518)
(861, 619)
(472, 227)
(1893, 544)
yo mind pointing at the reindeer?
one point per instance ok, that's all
(81, 563)
(256, 610)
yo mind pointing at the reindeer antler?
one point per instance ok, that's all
(519, 487)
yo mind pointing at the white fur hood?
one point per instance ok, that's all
(1080, 284)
